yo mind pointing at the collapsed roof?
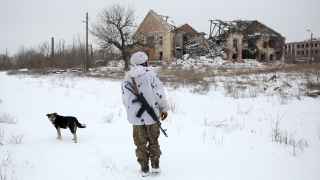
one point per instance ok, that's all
(219, 29)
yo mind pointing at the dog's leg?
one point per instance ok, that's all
(75, 139)
(59, 133)
(74, 132)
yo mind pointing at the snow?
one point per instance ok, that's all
(211, 136)
(188, 62)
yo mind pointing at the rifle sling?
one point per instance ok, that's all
(144, 104)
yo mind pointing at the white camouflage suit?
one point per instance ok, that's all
(152, 89)
(145, 130)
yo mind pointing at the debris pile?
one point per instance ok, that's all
(240, 39)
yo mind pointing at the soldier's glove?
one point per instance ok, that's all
(163, 115)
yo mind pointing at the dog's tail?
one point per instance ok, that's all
(79, 125)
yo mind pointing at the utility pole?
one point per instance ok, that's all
(6, 54)
(52, 47)
(6, 58)
(86, 64)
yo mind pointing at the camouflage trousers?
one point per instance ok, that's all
(147, 146)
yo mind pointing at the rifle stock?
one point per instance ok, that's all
(145, 106)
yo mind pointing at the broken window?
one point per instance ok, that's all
(252, 44)
(263, 57)
(272, 43)
(160, 40)
(247, 54)
(235, 43)
(160, 55)
(234, 56)
(307, 45)
(150, 41)
(271, 57)
(265, 44)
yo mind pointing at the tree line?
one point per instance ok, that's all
(114, 31)
(64, 56)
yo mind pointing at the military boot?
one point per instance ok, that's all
(155, 166)
(145, 171)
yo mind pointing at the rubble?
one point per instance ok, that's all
(231, 40)
(240, 39)
(313, 93)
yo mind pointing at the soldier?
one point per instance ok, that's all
(141, 79)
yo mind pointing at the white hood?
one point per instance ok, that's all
(137, 71)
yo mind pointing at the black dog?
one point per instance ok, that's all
(65, 122)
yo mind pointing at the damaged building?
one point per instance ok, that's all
(163, 41)
(188, 41)
(235, 40)
(241, 39)
(307, 51)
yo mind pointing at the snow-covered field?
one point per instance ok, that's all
(217, 62)
(211, 136)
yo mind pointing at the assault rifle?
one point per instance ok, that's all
(145, 106)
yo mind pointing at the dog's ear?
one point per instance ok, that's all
(55, 113)
(47, 115)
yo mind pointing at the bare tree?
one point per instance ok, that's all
(115, 27)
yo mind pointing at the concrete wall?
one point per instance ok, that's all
(231, 50)
(265, 53)
(168, 46)
(300, 51)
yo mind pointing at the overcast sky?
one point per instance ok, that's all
(29, 22)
